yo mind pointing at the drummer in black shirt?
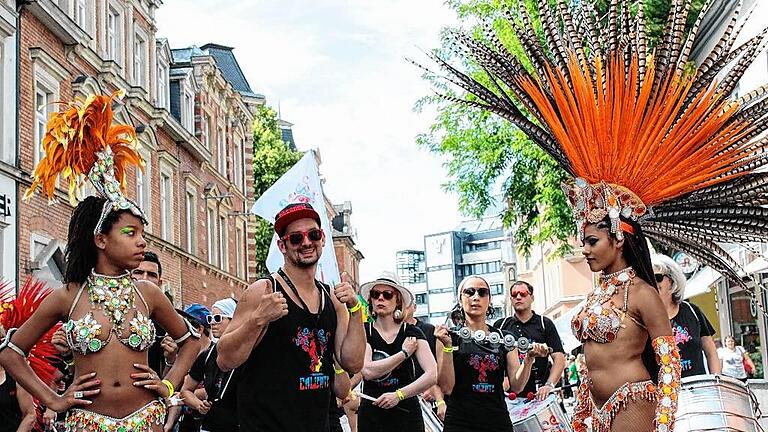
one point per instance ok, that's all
(693, 331)
(472, 370)
(536, 328)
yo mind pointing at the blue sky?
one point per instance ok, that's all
(337, 70)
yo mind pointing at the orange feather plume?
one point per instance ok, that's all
(615, 134)
(72, 139)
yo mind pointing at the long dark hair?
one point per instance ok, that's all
(81, 251)
(637, 255)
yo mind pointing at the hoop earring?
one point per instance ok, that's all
(398, 314)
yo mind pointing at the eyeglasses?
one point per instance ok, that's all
(482, 292)
(297, 238)
(215, 318)
(659, 277)
(386, 294)
(521, 294)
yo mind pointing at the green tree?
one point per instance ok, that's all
(271, 159)
(485, 154)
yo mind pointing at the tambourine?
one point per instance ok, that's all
(522, 344)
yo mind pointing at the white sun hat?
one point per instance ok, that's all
(390, 279)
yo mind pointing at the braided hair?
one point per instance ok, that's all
(81, 252)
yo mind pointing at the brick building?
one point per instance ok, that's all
(193, 110)
(348, 256)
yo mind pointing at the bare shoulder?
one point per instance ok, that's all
(644, 295)
(147, 288)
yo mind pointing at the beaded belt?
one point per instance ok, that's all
(141, 420)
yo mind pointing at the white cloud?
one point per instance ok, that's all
(337, 69)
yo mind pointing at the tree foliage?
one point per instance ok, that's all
(271, 159)
(486, 155)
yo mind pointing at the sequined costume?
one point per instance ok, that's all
(144, 419)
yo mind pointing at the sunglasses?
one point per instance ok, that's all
(521, 294)
(659, 277)
(297, 238)
(482, 292)
(215, 318)
(388, 295)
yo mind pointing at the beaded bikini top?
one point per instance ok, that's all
(115, 296)
(600, 319)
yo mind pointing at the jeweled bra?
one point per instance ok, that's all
(597, 320)
(115, 296)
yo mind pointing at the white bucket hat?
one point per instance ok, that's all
(390, 279)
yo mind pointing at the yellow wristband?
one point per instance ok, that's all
(440, 402)
(450, 349)
(339, 371)
(400, 394)
(356, 307)
(170, 387)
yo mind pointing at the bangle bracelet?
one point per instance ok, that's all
(450, 349)
(339, 371)
(400, 394)
(169, 385)
(440, 402)
(356, 307)
(167, 363)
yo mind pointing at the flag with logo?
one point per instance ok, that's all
(300, 184)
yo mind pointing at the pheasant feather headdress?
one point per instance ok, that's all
(82, 145)
(645, 134)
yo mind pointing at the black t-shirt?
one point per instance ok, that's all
(689, 326)
(429, 335)
(477, 403)
(10, 412)
(155, 355)
(221, 388)
(407, 412)
(539, 329)
(285, 384)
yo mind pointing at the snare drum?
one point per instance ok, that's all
(714, 403)
(538, 416)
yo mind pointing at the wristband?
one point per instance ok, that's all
(400, 394)
(450, 349)
(356, 307)
(170, 387)
(338, 371)
(439, 403)
(405, 352)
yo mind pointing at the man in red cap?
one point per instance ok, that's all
(287, 331)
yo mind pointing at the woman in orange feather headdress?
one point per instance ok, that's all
(108, 317)
(655, 147)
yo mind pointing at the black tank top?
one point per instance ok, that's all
(477, 401)
(402, 375)
(10, 413)
(285, 384)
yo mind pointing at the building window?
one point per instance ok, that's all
(207, 130)
(81, 13)
(238, 163)
(43, 100)
(190, 218)
(421, 299)
(139, 60)
(212, 253)
(162, 86)
(113, 35)
(188, 110)
(166, 206)
(144, 186)
(223, 243)
(497, 289)
(240, 249)
(222, 152)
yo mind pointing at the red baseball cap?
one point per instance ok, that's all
(292, 213)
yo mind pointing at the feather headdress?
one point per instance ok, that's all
(646, 135)
(82, 145)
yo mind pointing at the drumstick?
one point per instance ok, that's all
(373, 399)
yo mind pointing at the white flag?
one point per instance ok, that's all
(301, 184)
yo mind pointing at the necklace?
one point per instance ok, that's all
(609, 284)
(114, 295)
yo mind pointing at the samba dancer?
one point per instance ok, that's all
(693, 331)
(472, 370)
(649, 142)
(107, 315)
(393, 350)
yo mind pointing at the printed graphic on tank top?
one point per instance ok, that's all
(294, 359)
(477, 401)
